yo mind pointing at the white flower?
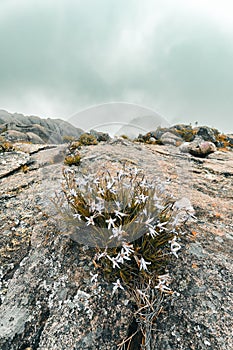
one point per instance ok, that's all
(121, 256)
(101, 191)
(162, 285)
(128, 248)
(138, 200)
(152, 231)
(141, 199)
(114, 262)
(161, 224)
(117, 232)
(112, 190)
(68, 171)
(120, 174)
(117, 285)
(174, 247)
(110, 184)
(90, 220)
(94, 277)
(110, 223)
(149, 220)
(119, 214)
(96, 181)
(143, 264)
(103, 254)
(118, 204)
(143, 184)
(77, 216)
(73, 192)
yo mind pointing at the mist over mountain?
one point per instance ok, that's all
(141, 125)
(118, 118)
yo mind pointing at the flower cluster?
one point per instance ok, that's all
(132, 224)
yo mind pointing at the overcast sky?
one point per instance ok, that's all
(58, 57)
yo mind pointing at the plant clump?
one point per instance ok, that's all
(72, 159)
(73, 156)
(87, 139)
(6, 146)
(133, 226)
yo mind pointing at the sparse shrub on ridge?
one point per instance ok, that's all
(134, 228)
(87, 139)
(72, 159)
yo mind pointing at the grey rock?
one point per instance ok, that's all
(100, 136)
(198, 147)
(47, 299)
(207, 133)
(171, 139)
(33, 138)
(202, 149)
(17, 126)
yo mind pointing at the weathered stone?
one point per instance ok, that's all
(32, 137)
(100, 136)
(47, 298)
(18, 127)
(201, 149)
(208, 134)
(169, 138)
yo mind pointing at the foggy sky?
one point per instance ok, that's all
(61, 56)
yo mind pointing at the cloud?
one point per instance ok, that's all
(59, 57)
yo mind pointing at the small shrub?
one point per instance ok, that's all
(72, 159)
(6, 146)
(133, 226)
(74, 146)
(87, 139)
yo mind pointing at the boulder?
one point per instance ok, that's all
(171, 139)
(208, 134)
(198, 147)
(100, 136)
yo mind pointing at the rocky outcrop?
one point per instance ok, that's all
(47, 298)
(198, 141)
(17, 127)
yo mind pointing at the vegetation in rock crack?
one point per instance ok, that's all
(134, 226)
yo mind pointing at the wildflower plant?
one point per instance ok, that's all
(134, 226)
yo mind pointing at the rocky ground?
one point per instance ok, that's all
(47, 298)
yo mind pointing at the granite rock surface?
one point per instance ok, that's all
(47, 298)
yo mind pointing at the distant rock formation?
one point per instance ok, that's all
(17, 127)
(117, 118)
(141, 124)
